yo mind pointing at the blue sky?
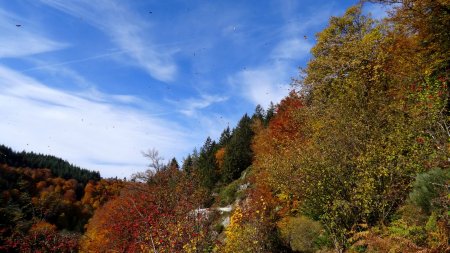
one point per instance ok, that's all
(97, 82)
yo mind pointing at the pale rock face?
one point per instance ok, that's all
(226, 221)
(226, 209)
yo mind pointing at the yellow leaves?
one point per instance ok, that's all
(241, 238)
(282, 196)
(191, 246)
(236, 218)
(42, 226)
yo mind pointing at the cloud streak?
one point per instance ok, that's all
(189, 107)
(271, 82)
(126, 30)
(17, 40)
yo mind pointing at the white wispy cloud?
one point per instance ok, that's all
(128, 31)
(291, 49)
(19, 38)
(80, 86)
(190, 106)
(96, 133)
(271, 82)
(263, 85)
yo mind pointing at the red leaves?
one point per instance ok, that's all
(147, 215)
(42, 237)
(283, 125)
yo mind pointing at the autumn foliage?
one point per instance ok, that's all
(41, 212)
(355, 159)
(160, 216)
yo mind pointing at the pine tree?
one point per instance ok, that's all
(225, 137)
(188, 165)
(259, 114)
(174, 164)
(206, 166)
(269, 114)
(238, 154)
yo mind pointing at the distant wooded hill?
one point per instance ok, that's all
(58, 166)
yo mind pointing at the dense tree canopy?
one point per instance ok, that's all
(355, 158)
(58, 166)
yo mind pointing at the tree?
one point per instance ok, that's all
(259, 114)
(269, 114)
(188, 165)
(225, 137)
(42, 237)
(277, 147)
(206, 169)
(426, 22)
(372, 118)
(173, 164)
(429, 191)
(155, 159)
(238, 153)
(252, 226)
(369, 133)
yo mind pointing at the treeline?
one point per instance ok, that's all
(58, 166)
(220, 162)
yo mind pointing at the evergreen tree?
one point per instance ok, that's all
(58, 166)
(269, 114)
(238, 154)
(188, 165)
(225, 137)
(174, 164)
(259, 114)
(206, 166)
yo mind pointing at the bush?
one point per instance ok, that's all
(302, 234)
(228, 194)
(416, 234)
(430, 190)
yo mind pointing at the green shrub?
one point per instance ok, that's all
(302, 234)
(430, 190)
(228, 194)
(400, 228)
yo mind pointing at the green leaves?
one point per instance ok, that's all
(430, 189)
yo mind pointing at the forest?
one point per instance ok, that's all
(355, 159)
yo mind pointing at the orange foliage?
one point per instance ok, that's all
(284, 125)
(41, 185)
(98, 193)
(70, 195)
(277, 146)
(220, 154)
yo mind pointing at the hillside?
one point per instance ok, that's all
(46, 208)
(57, 166)
(355, 159)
